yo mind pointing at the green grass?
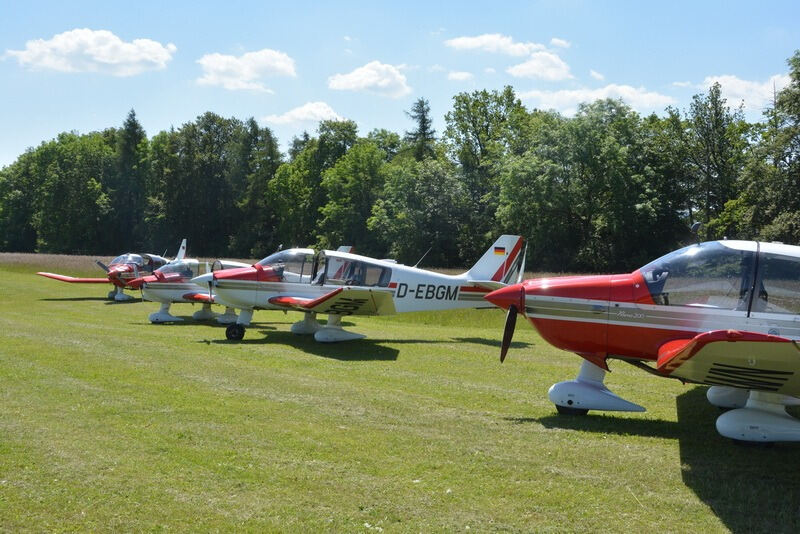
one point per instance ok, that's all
(110, 423)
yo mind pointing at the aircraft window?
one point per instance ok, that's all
(129, 258)
(184, 269)
(358, 273)
(779, 287)
(709, 275)
(290, 265)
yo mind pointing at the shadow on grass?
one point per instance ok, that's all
(73, 299)
(493, 342)
(750, 488)
(357, 350)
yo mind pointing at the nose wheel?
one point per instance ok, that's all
(234, 332)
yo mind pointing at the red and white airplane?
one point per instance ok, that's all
(122, 270)
(173, 283)
(723, 313)
(340, 284)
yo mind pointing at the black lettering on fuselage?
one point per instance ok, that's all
(428, 292)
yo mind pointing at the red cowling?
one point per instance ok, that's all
(254, 273)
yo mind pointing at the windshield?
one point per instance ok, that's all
(709, 275)
(129, 258)
(183, 268)
(293, 265)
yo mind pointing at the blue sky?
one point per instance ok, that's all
(82, 65)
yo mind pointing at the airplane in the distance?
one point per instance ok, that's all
(172, 283)
(341, 284)
(722, 313)
(121, 270)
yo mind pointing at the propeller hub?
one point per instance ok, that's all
(513, 295)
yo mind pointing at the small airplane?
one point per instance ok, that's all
(722, 313)
(173, 283)
(341, 284)
(122, 270)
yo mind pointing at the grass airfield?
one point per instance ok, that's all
(110, 423)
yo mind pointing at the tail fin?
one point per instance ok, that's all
(501, 262)
(181, 251)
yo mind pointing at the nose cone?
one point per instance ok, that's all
(203, 279)
(513, 295)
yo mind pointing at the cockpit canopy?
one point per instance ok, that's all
(135, 259)
(146, 262)
(184, 268)
(757, 278)
(306, 266)
(291, 265)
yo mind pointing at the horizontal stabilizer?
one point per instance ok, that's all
(73, 280)
(341, 301)
(748, 360)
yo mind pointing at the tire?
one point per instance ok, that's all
(234, 332)
(566, 410)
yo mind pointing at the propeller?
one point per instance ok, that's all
(511, 323)
(101, 265)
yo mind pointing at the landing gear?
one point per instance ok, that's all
(229, 317)
(235, 332)
(309, 325)
(204, 314)
(762, 420)
(163, 315)
(587, 392)
(565, 410)
(333, 332)
(118, 295)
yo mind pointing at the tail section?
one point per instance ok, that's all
(181, 251)
(501, 262)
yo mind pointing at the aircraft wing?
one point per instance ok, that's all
(747, 360)
(342, 301)
(73, 280)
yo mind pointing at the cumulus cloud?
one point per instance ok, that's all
(567, 100)
(561, 43)
(85, 50)
(244, 72)
(543, 66)
(459, 76)
(596, 75)
(494, 42)
(375, 77)
(682, 84)
(310, 112)
(489, 70)
(755, 96)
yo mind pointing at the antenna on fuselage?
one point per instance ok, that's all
(695, 229)
(423, 257)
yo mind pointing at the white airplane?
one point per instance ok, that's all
(172, 283)
(121, 270)
(340, 284)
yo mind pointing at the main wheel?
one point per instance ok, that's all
(234, 332)
(566, 410)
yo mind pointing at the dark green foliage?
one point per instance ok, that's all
(604, 190)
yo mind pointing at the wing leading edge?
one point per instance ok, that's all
(73, 280)
(341, 301)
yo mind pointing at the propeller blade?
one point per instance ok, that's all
(508, 332)
(101, 265)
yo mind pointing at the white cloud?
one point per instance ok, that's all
(756, 96)
(311, 112)
(561, 43)
(459, 76)
(489, 70)
(245, 71)
(494, 42)
(541, 65)
(85, 50)
(682, 84)
(376, 77)
(567, 100)
(596, 75)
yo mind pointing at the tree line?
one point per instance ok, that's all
(606, 189)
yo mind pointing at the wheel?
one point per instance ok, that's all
(566, 410)
(234, 332)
